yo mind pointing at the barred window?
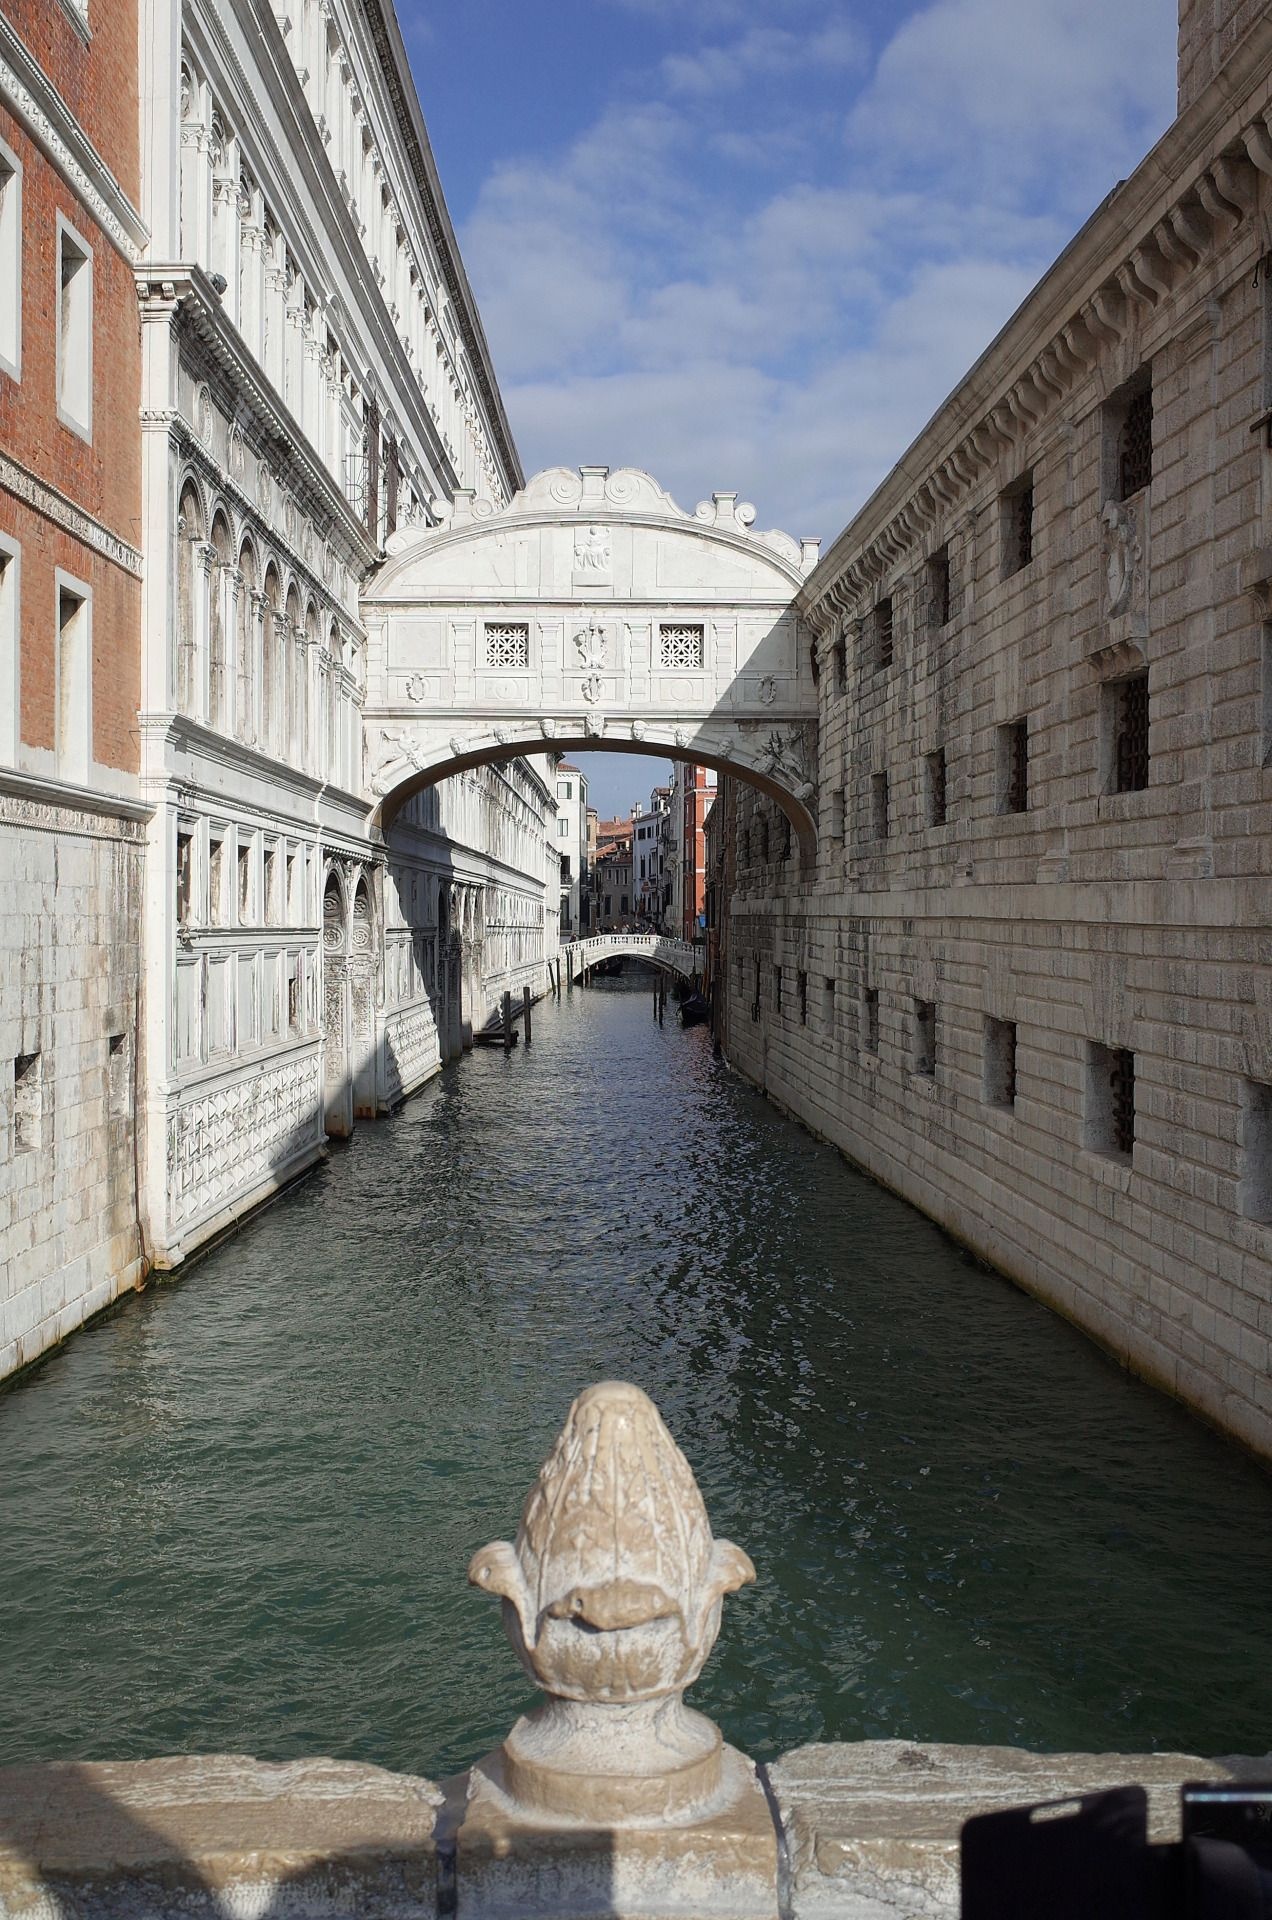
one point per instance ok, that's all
(1018, 526)
(1135, 444)
(1013, 767)
(938, 575)
(1110, 1120)
(999, 1084)
(937, 812)
(508, 645)
(681, 647)
(1130, 736)
(883, 635)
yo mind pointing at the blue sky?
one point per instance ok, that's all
(753, 243)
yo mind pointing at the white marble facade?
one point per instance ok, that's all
(314, 378)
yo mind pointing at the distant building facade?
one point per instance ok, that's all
(573, 848)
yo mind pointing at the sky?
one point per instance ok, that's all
(752, 244)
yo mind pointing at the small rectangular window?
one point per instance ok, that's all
(74, 681)
(879, 806)
(216, 879)
(1128, 421)
(268, 886)
(934, 787)
(74, 331)
(1110, 1114)
(882, 624)
(870, 1019)
(295, 997)
(28, 1102)
(185, 875)
(289, 884)
(841, 665)
(119, 1074)
(1016, 511)
(938, 581)
(999, 1084)
(828, 1005)
(1126, 719)
(777, 989)
(1013, 767)
(837, 813)
(801, 987)
(1254, 1192)
(10, 263)
(925, 1037)
(244, 882)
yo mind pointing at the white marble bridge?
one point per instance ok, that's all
(674, 956)
(591, 612)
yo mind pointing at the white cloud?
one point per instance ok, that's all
(647, 305)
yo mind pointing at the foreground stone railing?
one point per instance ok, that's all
(612, 1799)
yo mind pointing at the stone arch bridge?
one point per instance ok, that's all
(591, 613)
(671, 956)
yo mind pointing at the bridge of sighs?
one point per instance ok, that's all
(591, 612)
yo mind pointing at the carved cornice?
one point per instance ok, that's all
(46, 500)
(55, 806)
(1153, 233)
(32, 96)
(164, 290)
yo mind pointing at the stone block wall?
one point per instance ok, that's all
(1028, 982)
(70, 884)
(1208, 31)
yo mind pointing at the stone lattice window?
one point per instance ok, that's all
(681, 647)
(508, 645)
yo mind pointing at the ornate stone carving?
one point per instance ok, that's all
(592, 550)
(398, 756)
(783, 757)
(768, 690)
(612, 1597)
(416, 687)
(1123, 556)
(203, 413)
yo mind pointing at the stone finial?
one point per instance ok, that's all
(612, 1597)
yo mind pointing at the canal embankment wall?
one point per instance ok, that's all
(1026, 981)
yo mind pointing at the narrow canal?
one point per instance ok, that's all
(237, 1514)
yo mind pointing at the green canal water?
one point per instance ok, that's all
(236, 1514)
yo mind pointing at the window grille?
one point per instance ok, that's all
(1015, 749)
(1131, 744)
(939, 588)
(883, 636)
(870, 1018)
(1018, 515)
(1135, 445)
(1000, 1062)
(508, 645)
(1122, 1089)
(879, 805)
(925, 1037)
(681, 647)
(937, 811)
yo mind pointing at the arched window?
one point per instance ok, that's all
(293, 652)
(271, 664)
(246, 644)
(218, 662)
(189, 533)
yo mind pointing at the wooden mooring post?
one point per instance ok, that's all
(525, 1012)
(507, 1022)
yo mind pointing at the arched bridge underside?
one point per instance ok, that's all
(591, 612)
(673, 956)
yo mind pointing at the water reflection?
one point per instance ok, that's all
(237, 1515)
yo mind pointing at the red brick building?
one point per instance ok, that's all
(70, 583)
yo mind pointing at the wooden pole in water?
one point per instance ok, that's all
(507, 1022)
(525, 1012)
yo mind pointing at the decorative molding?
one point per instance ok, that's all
(55, 806)
(25, 88)
(46, 500)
